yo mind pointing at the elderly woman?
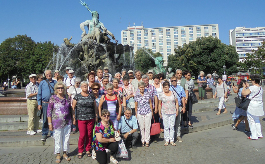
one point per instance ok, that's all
(117, 89)
(221, 93)
(112, 103)
(239, 113)
(128, 92)
(86, 112)
(105, 138)
(255, 107)
(201, 80)
(90, 80)
(169, 103)
(143, 112)
(96, 89)
(59, 114)
(211, 83)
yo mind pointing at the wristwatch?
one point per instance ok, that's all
(129, 133)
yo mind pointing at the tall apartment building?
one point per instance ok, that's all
(246, 39)
(165, 39)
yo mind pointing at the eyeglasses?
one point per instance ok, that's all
(188, 75)
(95, 89)
(106, 115)
(173, 80)
(77, 83)
(60, 88)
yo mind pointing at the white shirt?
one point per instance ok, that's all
(256, 105)
(69, 82)
(31, 88)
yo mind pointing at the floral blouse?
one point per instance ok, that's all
(168, 103)
(60, 111)
(106, 133)
(143, 103)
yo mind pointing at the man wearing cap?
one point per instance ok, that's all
(56, 74)
(99, 77)
(46, 89)
(32, 105)
(70, 80)
(66, 72)
(106, 71)
(123, 72)
(150, 75)
(130, 72)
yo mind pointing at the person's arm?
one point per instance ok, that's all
(225, 90)
(73, 107)
(150, 101)
(104, 140)
(235, 89)
(96, 110)
(177, 107)
(39, 94)
(159, 108)
(156, 104)
(245, 91)
(136, 106)
(49, 114)
(183, 101)
(119, 114)
(100, 105)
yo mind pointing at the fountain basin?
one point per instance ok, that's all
(13, 106)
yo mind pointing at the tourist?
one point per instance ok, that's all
(67, 71)
(128, 126)
(144, 112)
(168, 110)
(201, 85)
(14, 84)
(179, 91)
(128, 92)
(105, 82)
(118, 91)
(131, 77)
(106, 72)
(46, 89)
(123, 73)
(97, 91)
(32, 105)
(239, 113)
(39, 78)
(112, 103)
(99, 77)
(118, 76)
(86, 113)
(105, 139)
(189, 86)
(60, 78)
(221, 93)
(211, 83)
(70, 80)
(255, 107)
(59, 114)
(18, 83)
(138, 79)
(130, 73)
(56, 74)
(90, 80)
(151, 76)
(159, 89)
(161, 78)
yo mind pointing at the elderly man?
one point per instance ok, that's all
(70, 80)
(46, 89)
(130, 72)
(150, 75)
(56, 74)
(128, 128)
(118, 76)
(66, 72)
(123, 73)
(99, 77)
(138, 79)
(106, 71)
(179, 91)
(32, 105)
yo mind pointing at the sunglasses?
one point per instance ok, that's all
(173, 80)
(95, 89)
(60, 88)
(106, 116)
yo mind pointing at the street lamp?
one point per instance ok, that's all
(224, 69)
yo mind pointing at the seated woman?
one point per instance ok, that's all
(105, 138)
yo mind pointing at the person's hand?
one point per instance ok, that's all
(160, 115)
(118, 117)
(39, 107)
(247, 85)
(74, 122)
(96, 119)
(214, 96)
(128, 97)
(126, 135)
(112, 140)
(183, 110)
(177, 113)
(50, 127)
(156, 111)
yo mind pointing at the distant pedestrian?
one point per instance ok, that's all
(211, 83)
(202, 83)
(221, 93)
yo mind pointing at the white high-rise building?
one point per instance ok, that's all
(246, 39)
(165, 39)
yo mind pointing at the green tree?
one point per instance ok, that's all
(255, 59)
(143, 61)
(206, 54)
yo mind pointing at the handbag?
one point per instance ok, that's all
(245, 102)
(155, 128)
(193, 97)
(122, 151)
(237, 100)
(204, 85)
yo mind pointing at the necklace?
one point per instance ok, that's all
(105, 124)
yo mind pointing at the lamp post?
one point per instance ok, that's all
(224, 69)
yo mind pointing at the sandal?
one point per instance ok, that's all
(66, 157)
(113, 160)
(79, 156)
(166, 144)
(147, 145)
(88, 154)
(218, 113)
(58, 159)
(225, 111)
(172, 143)
(142, 144)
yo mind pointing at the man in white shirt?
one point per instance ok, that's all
(106, 71)
(70, 80)
(150, 75)
(99, 76)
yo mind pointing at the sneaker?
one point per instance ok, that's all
(44, 137)
(113, 160)
(235, 128)
(32, 133)
(28, 132)
(179, 139)
(39, 131)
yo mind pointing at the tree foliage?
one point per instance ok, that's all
(22, 56)
(206, 54)
(143, 61)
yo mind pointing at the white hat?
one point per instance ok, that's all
(32, 75)
(106, 67)
(130, 71)
(71, 71)
(56, 71)
(150, 71)
(68, 68)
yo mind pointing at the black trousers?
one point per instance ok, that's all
(188, 113)
(101, 156)
(131, 138)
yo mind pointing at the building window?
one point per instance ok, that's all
(214, 34)
(139, 34)
(199, 35)
(168, 43)
(206, 34)
(168, 50)
(168, 46)
(138, 38)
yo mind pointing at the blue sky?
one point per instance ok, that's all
(53, 20)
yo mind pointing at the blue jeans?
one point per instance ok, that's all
(45, 127)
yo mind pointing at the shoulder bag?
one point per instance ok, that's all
(245, 102)
(155, 128)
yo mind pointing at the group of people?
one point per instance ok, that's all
(102, 106)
